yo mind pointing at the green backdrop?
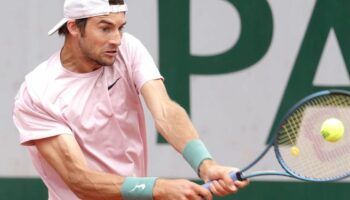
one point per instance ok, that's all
(13, 189)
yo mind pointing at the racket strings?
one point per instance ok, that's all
(316, 158)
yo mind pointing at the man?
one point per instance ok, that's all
(80, 115)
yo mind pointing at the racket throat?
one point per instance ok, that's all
(237, 176)
(240, 176)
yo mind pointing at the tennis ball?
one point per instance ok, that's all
(332, 130)
(294, 151)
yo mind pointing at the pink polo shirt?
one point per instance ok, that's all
(101, 109)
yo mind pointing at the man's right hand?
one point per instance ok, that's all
(179, 189)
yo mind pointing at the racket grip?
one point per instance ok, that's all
(235, 176)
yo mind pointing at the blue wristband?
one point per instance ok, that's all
(195, 153)
(138, 188)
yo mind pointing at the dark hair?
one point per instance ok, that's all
(116, 2)
(81, 23)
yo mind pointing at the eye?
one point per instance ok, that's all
(105, 29)
(121, 28)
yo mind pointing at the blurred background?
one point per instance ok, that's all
(235, 65)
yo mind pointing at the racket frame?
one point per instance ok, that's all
(274, 142)
(278, 155)
(241, 175)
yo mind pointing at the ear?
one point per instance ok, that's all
(73, 28)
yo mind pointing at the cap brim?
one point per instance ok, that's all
(57, 26)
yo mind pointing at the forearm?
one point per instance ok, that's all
(87, 184)
(175, 126)
(173, 123)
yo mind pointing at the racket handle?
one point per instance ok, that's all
(235, 176)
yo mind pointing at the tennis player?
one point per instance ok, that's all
(81, 119)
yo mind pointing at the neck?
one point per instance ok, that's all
(74, 60)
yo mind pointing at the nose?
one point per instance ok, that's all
(116, 38)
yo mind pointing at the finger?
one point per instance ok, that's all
(218, 188)
(241, 184)
(227, 178)
(212, 187)
(228, 183)
(197, 197)
(206, 196)
(204, 193)
(190, 193)
(229, 188)
(193, 196)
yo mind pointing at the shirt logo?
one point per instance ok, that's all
(109, 87)
(139, 187)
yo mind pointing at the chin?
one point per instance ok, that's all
(106, 62)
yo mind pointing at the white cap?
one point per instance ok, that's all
(78, 9)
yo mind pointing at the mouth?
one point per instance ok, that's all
(111, 53)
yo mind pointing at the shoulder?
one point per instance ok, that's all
(132, 49)
(42, 70)
(130, 44)
(38, 80)
(129, 39)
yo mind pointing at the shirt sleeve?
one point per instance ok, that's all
(34, 122)
(142, 63)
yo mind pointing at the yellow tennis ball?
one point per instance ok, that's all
(332, 130)
(294, 151)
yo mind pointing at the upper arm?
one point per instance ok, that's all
(139, 61)
(35, 121)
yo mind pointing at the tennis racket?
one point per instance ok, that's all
(301, 149)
